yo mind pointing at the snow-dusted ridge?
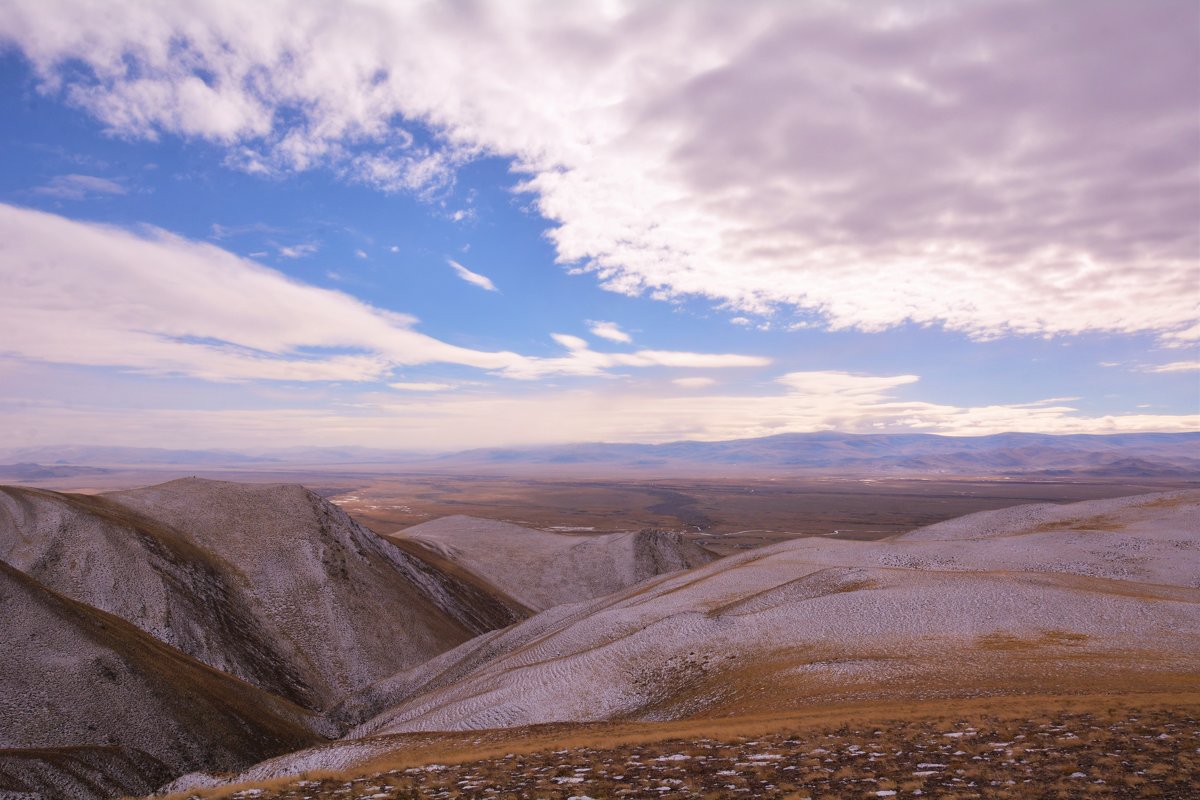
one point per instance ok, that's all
(1029, 599)
(266, 594)
(231, 623)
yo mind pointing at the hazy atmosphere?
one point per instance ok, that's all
(441, 226)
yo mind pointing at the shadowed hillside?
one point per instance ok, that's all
(73, 676)
(269, 583)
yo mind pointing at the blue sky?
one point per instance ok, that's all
(661, 229)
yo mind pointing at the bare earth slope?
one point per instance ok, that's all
(101, 553)
(542, 569)
(813, 617)
(267, 582)
(75, 677)
(78, 772)
(1095, 597)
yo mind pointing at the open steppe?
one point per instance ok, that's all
(725, 515)
(473, 657)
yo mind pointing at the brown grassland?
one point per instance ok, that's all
(1098, 743)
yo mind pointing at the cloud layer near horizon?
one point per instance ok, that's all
(991, 167)
(435, 417)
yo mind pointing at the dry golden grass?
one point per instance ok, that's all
(1036, 740)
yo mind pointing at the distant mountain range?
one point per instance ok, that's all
(1142, 454)
(1114, 455)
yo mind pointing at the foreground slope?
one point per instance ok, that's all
(82, 689)
(1136, 746)
(1097, 597)
(543, 569)
(1091, 589)
(269, 583)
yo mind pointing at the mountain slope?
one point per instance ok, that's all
(267, 582)
(75, 772)
(1101, 590)
(542, 569)
(74, 676)
(101, 553)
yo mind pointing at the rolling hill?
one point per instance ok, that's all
(202, 626)
(542, 569)
(1093, 596)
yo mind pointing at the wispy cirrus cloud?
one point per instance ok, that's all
(303, 250)
(1176, 366)
(582, 360)
(421, 386)
(1035, 176)
(473, 278)
(79, 187)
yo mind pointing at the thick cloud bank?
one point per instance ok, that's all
(991, 167)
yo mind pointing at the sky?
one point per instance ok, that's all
(436, 226)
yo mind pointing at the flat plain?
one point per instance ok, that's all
(725, 514)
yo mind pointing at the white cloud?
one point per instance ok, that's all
(482, 281)
(843, 384)
(955, 166)
(80, 293)
(360, 253)
(1175, 366)
(408, 386)
(570, 342)
(298, 250)
(581, 360)
(610, 331)
(693, 383)
(78, 187)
